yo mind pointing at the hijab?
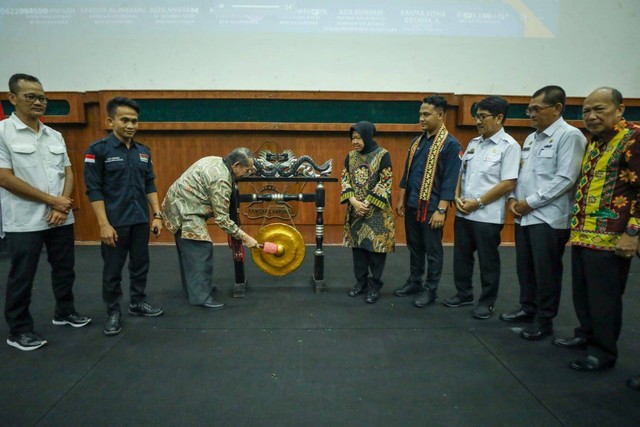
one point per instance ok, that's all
(366, 130)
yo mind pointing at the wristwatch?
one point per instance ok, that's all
(633, 232)
(157, 215)
(480, 204)
(443, 211)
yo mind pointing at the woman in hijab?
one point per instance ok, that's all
(369, 227)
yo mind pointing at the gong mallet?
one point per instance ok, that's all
(271, 248)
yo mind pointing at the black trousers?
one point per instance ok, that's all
(599, 280)
(365, 261)
(133, 241)
(483, 238)
(423, 241)
(196, 268)
(24, 250)
(539, 251)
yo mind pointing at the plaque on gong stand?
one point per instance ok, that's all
(283, 246)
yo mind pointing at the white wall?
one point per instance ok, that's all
(595, 43)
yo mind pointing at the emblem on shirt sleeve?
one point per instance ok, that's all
(144, 158)
(90, 158)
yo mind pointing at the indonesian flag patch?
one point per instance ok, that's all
(144, 158)
(90, 158)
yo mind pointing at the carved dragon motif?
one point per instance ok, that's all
(286, 165)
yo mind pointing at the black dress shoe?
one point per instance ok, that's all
(573, 342)
(592, 364)
(358, 289)
(634, 383)
(112, 325)
(427, 297)
(372, 295)
(517, 316)
(213, 305)
(537, 332)
(408, 288)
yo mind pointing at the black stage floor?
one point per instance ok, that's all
(285, 356)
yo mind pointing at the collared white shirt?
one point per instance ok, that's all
(485, 163)
(39, 159)
(549, 169)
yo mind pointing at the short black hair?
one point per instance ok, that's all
(616, 96)
(121, 101)
(14, 85)
(437, 101)
(240, 155)
(495, 105)
(552, 95)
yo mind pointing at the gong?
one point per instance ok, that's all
(287, 254)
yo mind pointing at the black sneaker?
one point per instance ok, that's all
(76, 320)
(482, 312)
(145, 309)
(112, 325)
(27, 341)
(427, 297)
(457, 301)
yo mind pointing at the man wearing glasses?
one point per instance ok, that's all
(204, 191)
(604, 229)
(36, 183)
(541, 204)
(489, 172)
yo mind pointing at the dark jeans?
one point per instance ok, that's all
(484, 238)
(133, 240)
(365, 261)
(423, 241)
(196, 268)
(599, 280)
(24, 250)
(539, 251)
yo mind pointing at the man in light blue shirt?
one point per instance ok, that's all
(488, 174)
(541, 203)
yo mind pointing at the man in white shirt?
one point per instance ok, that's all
(488, 174)
(541, 203)
(36, 183)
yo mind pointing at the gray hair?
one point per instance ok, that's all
(240, 155)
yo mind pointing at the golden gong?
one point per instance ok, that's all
(289, 253)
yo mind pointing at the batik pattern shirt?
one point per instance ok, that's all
(608, 190)
(368, 177)
(202, 192)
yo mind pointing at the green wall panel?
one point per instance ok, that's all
(277, 110)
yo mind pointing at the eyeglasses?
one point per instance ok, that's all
(536, 110)
(482, 117)
(32, 98)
